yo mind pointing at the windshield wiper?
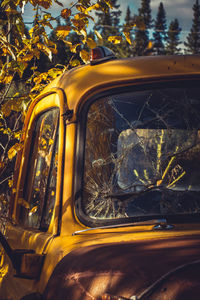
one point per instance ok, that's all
(160, 224)
(125, 196)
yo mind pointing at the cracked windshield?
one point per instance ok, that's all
(142, 154)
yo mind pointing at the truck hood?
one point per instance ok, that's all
(154, 269)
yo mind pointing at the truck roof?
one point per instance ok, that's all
(85, 80)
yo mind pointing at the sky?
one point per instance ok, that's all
(180, 9)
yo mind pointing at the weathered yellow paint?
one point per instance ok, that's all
(84, 81)
(64, 244)
(71, 90)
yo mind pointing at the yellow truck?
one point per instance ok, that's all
(107, 186)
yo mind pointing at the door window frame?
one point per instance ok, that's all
(31, 174)
(53, 99)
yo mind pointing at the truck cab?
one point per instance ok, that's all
(106, 200)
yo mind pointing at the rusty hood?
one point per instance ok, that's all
(155, 269)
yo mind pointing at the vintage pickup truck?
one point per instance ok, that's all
(107, 201)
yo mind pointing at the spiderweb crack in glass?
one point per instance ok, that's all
(142, 154)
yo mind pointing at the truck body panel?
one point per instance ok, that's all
(82, 261)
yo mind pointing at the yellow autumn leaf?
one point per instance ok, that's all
(53, 73)
(8, 79)
(68, 43)
(28, 57)
(150, 45)
(13, 150)
(109, 3)
(49, 53)
(44, 3)
(93, 7)
(66, 13)
(79, 23)
(40, 46)
(35, 39)
(84, 33)
(50, 141)
(80, 8)
(5, 51)
(33, 209)
(73, 48)
(23, 203)
(38, 173)
(128, 36)
(17, 135)
(159, 182)
(31, 31)
(99, 36)
(115, 39)
(85, 56)
(75, 63)
(91, 43)
(10, 182)
(63, 31)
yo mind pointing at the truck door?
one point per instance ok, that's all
(35, 217)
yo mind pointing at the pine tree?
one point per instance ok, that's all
(193, 38)
(159, 34)
(173, 38)
(128, 18)
(108, 21)
(143, 22)
(115, 14)
(108, 24)
(145, 13)
(126, 49)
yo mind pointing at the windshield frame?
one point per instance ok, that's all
(179, 81)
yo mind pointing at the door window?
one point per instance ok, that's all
(40, 185)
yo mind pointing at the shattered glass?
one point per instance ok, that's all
(142, 154)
